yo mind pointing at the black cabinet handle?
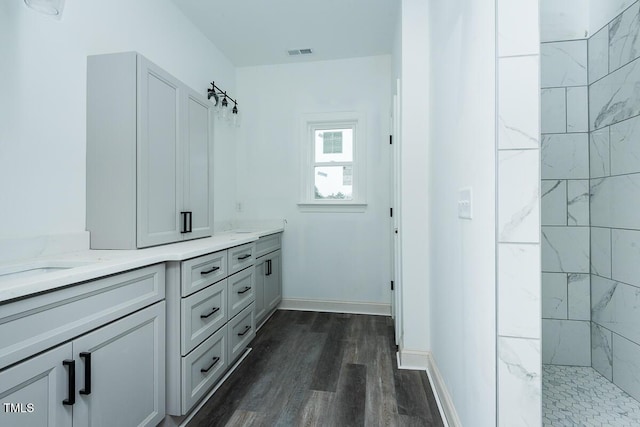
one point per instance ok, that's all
(245, 256)
(205, 370)
(209, 271)
(87, 372)
(244, 290)
(71, 364)
(246, 329)
(213, 310)
(268, 267)
(184, 222)
(187, 222)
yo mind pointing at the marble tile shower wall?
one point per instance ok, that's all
(566, 332)
(518, 301)
(614, 122)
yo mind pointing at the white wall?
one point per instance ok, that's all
(43, 102)
(414, 176)
(330, 256)
(461, 152)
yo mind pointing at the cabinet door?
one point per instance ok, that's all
(198, 165)
(273, 281)
(159, 180)
(32, 392)
(121, 372)
(259, 273)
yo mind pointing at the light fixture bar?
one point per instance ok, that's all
(215, 92)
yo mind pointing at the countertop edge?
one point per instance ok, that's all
(102, 263)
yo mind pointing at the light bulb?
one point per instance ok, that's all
(47, 7)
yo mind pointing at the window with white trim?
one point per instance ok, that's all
(333, 162)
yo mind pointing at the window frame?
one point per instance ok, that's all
(328, 121)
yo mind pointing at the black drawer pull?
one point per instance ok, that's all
(245, 256)
(246, 329)
(72, 382)
(205, 370)
(213, 310)
(209, 271)
(246, 288)
(87, 372)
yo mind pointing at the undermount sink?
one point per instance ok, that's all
(37, 268)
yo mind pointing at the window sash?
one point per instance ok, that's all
(319, 122)
(323, 164)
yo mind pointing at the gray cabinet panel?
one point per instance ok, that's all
(260, 274)
(198, 166)
(37, 386)
(127, 372)
(268, 275)
(111, 150)
(273, 281)
(158, 160)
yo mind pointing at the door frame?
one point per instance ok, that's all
(395, 187)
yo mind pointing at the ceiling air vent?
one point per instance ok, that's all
(294, 52)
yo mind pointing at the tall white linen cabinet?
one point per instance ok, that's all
(149, 155)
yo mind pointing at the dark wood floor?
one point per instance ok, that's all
(322, 369)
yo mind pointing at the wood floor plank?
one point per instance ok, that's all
(327, 370)
(296, 382)
(287, 365)
(350, 399)
(412, 397)
(244, 418)
(322, 322)
(381, 404)
(306, 317)
(296, 352)
(408, 421)
(316, 407)
(433, 417)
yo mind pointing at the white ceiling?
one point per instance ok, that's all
(259, 32)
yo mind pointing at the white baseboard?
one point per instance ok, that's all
(445, 403)
(336, 306)
(413, 359)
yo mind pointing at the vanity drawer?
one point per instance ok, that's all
(198, 273)
(242, 329)
(242, 291)
(267, 244)
(202, 368)
(202, 314)
(240, 257)
(37, 323)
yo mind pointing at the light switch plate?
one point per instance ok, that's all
(465, 210)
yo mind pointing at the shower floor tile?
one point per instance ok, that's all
(580, 396)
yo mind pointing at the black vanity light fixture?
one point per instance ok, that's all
(221, 102)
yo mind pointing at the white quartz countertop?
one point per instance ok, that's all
(92, 264)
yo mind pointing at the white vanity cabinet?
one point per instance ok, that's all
(210, 322)
(104, 360)
(149, 155)
(35, 390)
(268, 274)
